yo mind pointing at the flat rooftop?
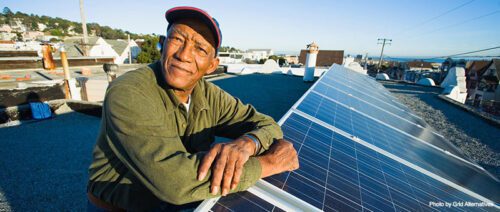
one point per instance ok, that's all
(41, 75)
(44, 163)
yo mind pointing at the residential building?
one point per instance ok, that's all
(418, 66)
(473, 72)
(230, 57)
(5, 28)
(7, 36)
(258, 54)
(17, 25)
(32, 35)
(416, 70)
(487, 94)
(292, 59)
(41, 27)
(97, 47)
(122, 48)
(325, 58)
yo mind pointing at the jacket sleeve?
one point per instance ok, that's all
(159, 161)
(236, 119)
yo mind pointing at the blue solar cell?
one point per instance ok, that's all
(369, 180)
(242, 201)
(387, 117)
(340, 173)
(399, 144)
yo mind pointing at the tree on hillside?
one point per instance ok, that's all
(149, 52)
(56, 32)
(78, 29)
(7, 11)
(228, 49)
(34, 26)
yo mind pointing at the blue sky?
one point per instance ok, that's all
(353, 26)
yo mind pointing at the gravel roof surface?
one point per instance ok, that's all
(478, 139)
(44, 164)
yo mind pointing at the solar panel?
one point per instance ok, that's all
(356, 154)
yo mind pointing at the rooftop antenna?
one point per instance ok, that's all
(84, 29)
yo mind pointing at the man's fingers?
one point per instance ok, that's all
(238, 169)
(206, 162)
(228, 174)
(218, 171)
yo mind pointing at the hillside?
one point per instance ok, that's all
(61, 27)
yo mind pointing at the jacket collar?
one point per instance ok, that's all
(198, 100)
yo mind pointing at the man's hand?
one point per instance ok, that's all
(226, 160)
(280, 157)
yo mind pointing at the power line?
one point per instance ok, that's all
(481, 50)
(466, 21)
(456, 24)
(438, 16)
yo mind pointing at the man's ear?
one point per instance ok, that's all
(213, 66)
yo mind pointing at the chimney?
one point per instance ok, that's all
(312, 53)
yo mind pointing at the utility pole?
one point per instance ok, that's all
(384, 42)
(84, 29)
(129, 50)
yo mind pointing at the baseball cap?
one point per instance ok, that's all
(177, 13)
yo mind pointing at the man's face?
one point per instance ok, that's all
(188, 54)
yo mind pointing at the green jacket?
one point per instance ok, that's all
(148, 149)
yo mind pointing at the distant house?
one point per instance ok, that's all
(473, 72)
(139, 42)
(41, 27)
(292, 59)
(121, 47)
(17, 25)
(487, 94)
(418, 66)
(32, 35)
(325, 57)
(5, 28)
(97, 47)
(258, 54)
(230, 57)
(416, 70)
(7, 36)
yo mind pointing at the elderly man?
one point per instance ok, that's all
(155, 149)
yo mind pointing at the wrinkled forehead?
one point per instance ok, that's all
(197, 26)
